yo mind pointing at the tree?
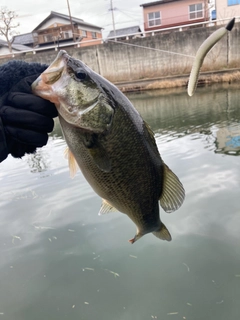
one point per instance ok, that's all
(8, 24)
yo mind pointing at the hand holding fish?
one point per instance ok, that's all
(25, 119)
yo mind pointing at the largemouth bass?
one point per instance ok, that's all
(112, 145)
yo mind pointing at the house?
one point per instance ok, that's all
(125, 33)
(170, 13)
(59, 29)
(227, 9)
(4, 50)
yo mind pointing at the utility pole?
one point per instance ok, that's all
(113, 22)
(70, 16)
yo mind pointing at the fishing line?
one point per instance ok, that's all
(142, 47)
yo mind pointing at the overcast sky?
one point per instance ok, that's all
(31, 13)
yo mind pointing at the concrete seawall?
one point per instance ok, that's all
(162, 55)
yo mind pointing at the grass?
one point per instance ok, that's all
(228, 76)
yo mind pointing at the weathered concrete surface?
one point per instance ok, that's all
(172, 55)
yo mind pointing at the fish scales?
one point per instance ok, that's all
(112, 145)
(134, 166)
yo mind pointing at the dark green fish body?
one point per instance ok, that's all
(114, 148)
(126, 186)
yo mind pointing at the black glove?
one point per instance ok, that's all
(26, 119)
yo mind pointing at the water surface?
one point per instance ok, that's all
(60, 260)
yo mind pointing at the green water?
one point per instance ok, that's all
(60, 260)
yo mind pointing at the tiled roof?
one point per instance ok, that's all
(149, 4)
(17, 47)
(25, 38)
(64, 16)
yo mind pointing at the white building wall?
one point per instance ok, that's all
(5, 50)
(52, 21)
(227, 9)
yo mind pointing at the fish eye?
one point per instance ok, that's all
(80, 74)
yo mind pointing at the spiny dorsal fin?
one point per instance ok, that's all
(173, 193)
(106, 208)
(72, 163)
(163, 233)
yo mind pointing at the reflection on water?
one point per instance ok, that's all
(212, 114)
(60, 260)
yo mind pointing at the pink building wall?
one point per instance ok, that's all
(174, 13)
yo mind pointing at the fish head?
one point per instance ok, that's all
(79, 98)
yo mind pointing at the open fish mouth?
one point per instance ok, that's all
(54, 72)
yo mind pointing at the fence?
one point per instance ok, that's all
(165, 52)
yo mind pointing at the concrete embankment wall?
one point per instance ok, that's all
(172, 54)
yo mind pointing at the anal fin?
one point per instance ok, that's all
(106, 208)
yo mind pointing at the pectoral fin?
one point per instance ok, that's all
(106, 208)
(97, 152)
(173, 193)
(72, 163)
(101, 159)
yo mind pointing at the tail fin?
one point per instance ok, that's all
(163, 233)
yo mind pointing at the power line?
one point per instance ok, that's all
(153, 49)
(128, 15)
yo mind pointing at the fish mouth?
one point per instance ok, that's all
(63, 54)
(53, 85)
(42, 86)
(54, 72)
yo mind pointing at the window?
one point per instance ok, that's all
(213, 15)
(196, 11)
(48, 38)
(233, 2)
(84, 33)
(154, 19)
(94, 35)
(67, 34)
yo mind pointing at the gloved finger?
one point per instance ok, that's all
(26, 119)
(33, 103)
(18, 150)
(28, 137)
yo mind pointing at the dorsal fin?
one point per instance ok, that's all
(72, 163)
(173, 193)
(151, 133)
